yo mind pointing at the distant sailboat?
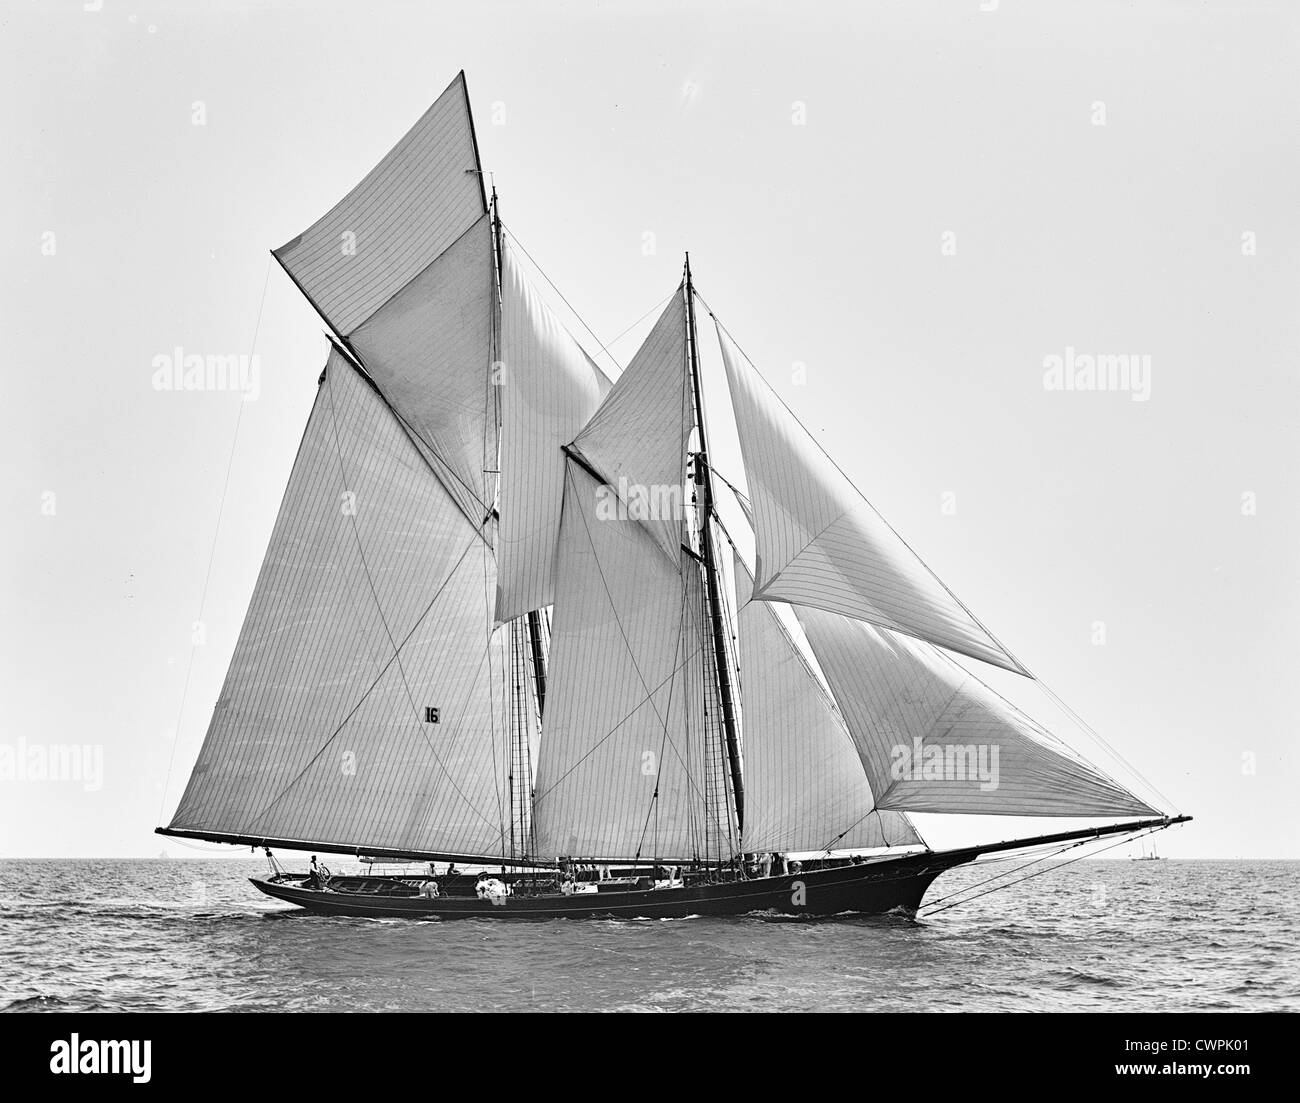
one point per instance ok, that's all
(499, 622)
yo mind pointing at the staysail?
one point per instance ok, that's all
(364, 701)
(805, 786)
(933, 738)
(821, 544)
(548, 387)
(622, 752)
(637, 440)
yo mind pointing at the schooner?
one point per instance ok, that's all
(500, 623)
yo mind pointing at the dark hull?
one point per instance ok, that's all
(872, 888)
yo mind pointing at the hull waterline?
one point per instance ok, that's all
(873, 888)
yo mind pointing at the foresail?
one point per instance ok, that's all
(637, 440)
(821, 544)
(621, 754)
(805, 787)
(548, 387)
(363, 704)
(933, 738)
(419, 199)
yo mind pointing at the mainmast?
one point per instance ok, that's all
(534, 618)
(717, 626)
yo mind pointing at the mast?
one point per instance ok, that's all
(717, 628)
(534, 619)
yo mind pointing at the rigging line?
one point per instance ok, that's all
(1088, 854)
(566, 302)
(1022, 668)
(628, 329)
(668, 708)
(1083, 724)
(740, 495)
(212, 552)
(1049, 852)
(1043, 851)
(1090, 730)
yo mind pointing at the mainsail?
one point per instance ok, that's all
(806, 787)
(370, 610)
(821, 544)
(621, 762)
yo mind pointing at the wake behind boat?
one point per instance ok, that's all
(501, 620)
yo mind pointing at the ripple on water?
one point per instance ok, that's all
(194, 936)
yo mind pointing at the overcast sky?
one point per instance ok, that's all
(921, 204)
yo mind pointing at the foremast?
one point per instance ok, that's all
(713, 589)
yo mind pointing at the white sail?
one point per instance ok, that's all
(410, 207)
(624, 693)
(372, 606)
(548, 388)
(933, 738)
(821, 544)
(429, 351)
(805, 788)
(638, 438)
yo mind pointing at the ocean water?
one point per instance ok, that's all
(194, 935)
